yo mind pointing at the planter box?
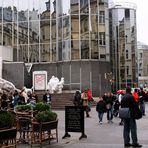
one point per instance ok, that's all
(8, 137)
(42, 131)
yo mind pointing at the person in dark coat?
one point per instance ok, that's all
(47, 97)
(142, 98)
(77, 101)
(130, 123)
(101, 108)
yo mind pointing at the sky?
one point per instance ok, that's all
(142, 19)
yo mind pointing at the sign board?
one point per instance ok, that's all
(28, 66)
(74, 120)
(39, 80)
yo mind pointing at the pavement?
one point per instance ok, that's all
(107, 135)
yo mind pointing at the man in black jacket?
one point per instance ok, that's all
(130, 123)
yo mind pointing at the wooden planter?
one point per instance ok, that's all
(8, 137)
(42, 131)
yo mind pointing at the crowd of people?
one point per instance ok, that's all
(110, 104)
(10, 100)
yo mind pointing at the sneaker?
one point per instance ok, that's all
(100, 122)
(136, 145)
(127, 145)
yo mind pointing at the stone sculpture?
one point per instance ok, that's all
(6, 85)
(54, 85)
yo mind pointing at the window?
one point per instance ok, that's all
(127, 70)
(102, 38)
(101, 17)
(127, 13)
(126, 54)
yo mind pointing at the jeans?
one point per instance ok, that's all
(100, 116)
(142, 107)
(130, 126)
(109, 114)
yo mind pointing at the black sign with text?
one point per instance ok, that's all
(74, 118)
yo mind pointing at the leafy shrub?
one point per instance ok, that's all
(7, 119)
(23, 108)
(46, 116)
(41, 107)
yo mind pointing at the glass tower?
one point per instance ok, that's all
(123, 45)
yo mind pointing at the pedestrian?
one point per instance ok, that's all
(130, 123)
(101, 109)
(77, 101)
(135, 95)
(47, 97)
(85, 103)
(142, 98)
(90, 98)
(109, 106)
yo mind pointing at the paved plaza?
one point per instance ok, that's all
(98, 136)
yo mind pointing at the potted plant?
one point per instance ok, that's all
(7, 129)
(7, 119)
(46, 116)
(23, 108)
(43, 123)
(39, 107)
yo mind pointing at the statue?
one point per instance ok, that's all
(54, 85)
(6, 85)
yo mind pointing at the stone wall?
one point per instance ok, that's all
(77, 74)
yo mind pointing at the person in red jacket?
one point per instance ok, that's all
(89, 94)
(135, 95)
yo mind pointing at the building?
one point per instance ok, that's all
(123, 45)
(142, 50)
(69, 37)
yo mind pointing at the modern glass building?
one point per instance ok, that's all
(123, 45)
(51, 31)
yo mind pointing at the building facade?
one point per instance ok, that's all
(123, 45)
(142, 50)
(54, 31)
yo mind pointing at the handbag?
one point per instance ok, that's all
(124, 113)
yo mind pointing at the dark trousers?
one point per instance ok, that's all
(130, 126)
(100, 116)
(109, 114)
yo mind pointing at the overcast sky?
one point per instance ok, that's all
(142, 19)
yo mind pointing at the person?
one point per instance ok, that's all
(77, 101)
(101, 109)
(4, 103)
(130, 123)
(90, 98)
(109, 106)
(120, 98)
(142, 98)
(47, 97)
(85, 103)
(16, 99)
(135, 95)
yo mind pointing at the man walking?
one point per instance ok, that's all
(130, 123)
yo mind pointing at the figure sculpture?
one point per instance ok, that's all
(54, 85)
(6, 85)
